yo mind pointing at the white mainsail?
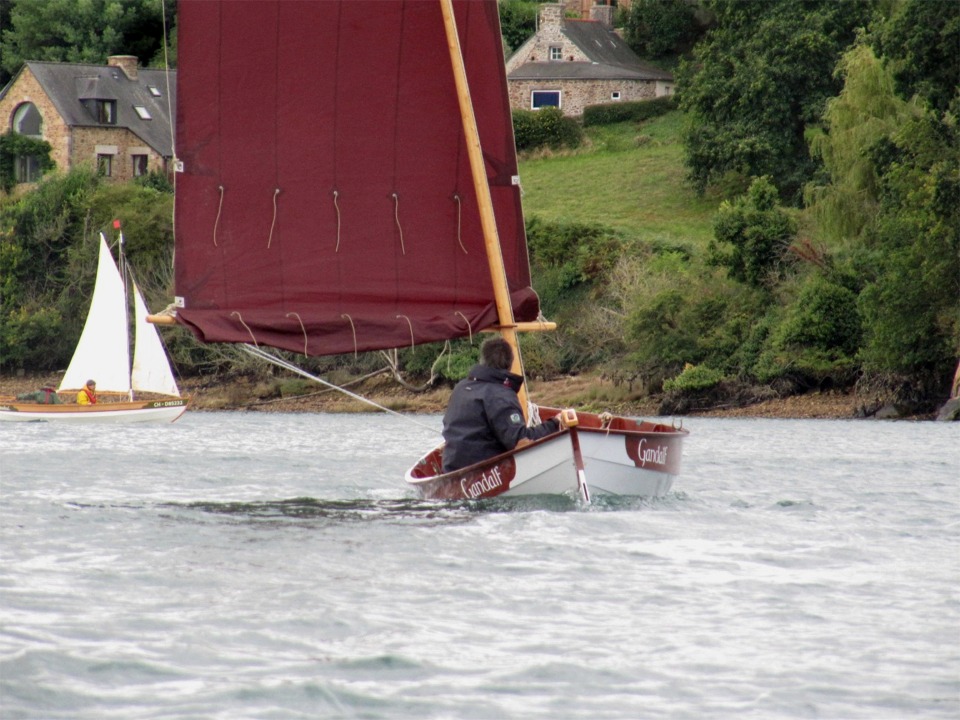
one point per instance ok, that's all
(151, 368)
(103, 353)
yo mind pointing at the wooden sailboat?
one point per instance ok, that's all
(103, 354)
(349, 183)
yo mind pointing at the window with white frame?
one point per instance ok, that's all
(544, 98)
(556, 52)
(615, 95)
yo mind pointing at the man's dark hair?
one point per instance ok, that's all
(496, 353)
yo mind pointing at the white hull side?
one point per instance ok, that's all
(546, 469)
(610, 471)
(630, 463)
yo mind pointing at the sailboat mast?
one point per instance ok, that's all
(126, 295)
(488, 222)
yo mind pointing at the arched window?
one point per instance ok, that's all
(27, 121)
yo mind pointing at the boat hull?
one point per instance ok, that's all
(620, 456)
(140, 411)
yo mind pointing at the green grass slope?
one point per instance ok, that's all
(629, 177)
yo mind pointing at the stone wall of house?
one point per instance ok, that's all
(550, 34)
(55, 130)
(90, 142)
(578, 94)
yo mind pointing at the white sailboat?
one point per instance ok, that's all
(103, 355)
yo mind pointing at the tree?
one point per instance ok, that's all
(757, 82)
(911, 303)
(920, 44)
(85, 31)
(518, 21)
(865, 112)
(893, 200)
(752, 235)
(655, 28)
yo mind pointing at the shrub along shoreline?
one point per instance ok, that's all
(587, 391)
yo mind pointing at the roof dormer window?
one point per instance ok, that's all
(103, 111)
(556, 52)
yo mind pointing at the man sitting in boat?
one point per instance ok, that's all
(484, 417)
(88, 394)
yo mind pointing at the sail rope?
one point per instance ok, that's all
(252, 336)
(354, 330)
(216, 223)
(413, 342)
(302, 328)
(276, 191)
(459, 217)
(337, 206)
(169, 99)
(469, 327)
(258, 352)
(396, 216)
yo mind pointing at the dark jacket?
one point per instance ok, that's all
(484, 418)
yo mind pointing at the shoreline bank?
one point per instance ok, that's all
(587, 392)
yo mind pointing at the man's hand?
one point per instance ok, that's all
(568, 418)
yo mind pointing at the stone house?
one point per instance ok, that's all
(573, 63)
(115, 117)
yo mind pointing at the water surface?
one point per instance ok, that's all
(253, 565)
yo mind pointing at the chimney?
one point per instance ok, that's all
(551, 14)
(602, 14)
(127, 63)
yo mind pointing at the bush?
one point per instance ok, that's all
(638, 111)
(32, 337)
(752, 235)
(693, 379)
(547, 127)
(14, 145)
(816, 341)
(576, 252)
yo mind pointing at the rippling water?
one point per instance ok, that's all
(275, 566)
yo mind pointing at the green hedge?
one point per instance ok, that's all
(14, 145)
(617, 112)
(547, 127)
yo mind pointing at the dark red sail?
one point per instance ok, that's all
(326, 203)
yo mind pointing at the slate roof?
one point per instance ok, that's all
(67, 83)
(610, 58)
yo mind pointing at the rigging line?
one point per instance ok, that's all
(396, 216)
(459, 220)
(246, 326)
(297, 316)
(216, 223)
(337, 206)
(413, 342)
(469, 328)
(259, 352)
(276, 191)
(173, 136)
(354, 330)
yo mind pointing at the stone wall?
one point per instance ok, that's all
(55, 131)
(89, 142)
(578, 94)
